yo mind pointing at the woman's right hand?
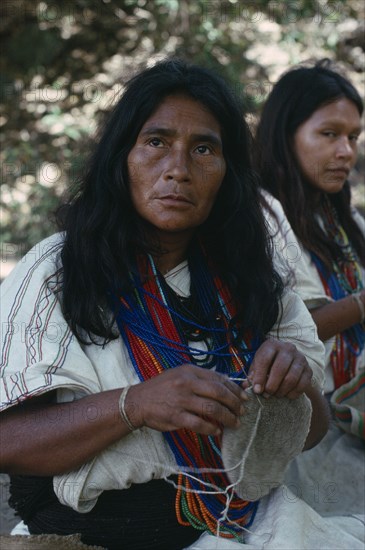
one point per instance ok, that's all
(186, 397)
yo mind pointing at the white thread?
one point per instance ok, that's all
(218, 491)
(245, 379)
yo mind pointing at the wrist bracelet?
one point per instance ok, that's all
(357, 298)
(122, 410)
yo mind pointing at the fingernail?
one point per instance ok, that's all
(242, 410)
(238, 422)
(266, 395)
(244, 395)
(257, 388)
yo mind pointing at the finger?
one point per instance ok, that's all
(220, 392)
(214, 411)
(208, 411)
(244, 386)
(297, 378)
(209, 376)
(234, 386)
(294, 395)
(303, 385)
(221, 378)
(290, 379)
(261, 365)
(196, 424)
(285, 371)
(163, 416)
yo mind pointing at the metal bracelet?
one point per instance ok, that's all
(122, 410)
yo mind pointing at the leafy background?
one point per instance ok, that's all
(64, 65)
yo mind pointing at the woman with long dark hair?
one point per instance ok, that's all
(140, 340)
(306, 146)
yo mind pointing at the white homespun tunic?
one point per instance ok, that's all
(295, 263)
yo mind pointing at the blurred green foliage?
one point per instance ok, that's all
(64, 65)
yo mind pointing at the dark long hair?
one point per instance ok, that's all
(103, 230)
(294, 98)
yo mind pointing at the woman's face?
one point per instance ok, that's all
(326, 145)
(176, 166)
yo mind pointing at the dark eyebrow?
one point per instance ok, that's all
(210, 138)
(334, 122)
(156, 130)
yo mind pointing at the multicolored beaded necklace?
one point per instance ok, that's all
(344, 279)
(157, 338)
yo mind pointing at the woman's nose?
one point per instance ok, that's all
(345, 148)
(177, 165)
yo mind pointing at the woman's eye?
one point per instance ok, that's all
(203, 149)
(155, 142)
(354, 137)
(329, 134)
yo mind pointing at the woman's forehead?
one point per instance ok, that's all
(341, 110)
(181, 109)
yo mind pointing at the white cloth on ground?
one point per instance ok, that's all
(285, 522)
(330, 477)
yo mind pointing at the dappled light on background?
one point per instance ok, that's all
(65, 63)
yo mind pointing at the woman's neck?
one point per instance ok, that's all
(173, 249)
(316, 198)
(165, 262)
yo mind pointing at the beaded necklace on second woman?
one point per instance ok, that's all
(344, 279)
(161, 334)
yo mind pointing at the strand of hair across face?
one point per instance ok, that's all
(344, 279)
(152, 332)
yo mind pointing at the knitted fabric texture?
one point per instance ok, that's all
(272, 432)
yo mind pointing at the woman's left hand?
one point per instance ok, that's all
(279, 369)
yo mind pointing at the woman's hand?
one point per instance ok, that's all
(186, 397)
(279, 369)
